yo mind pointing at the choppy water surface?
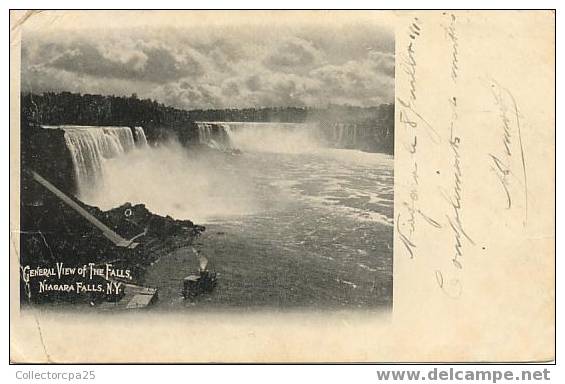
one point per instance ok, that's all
(290, 223)
(316, 231)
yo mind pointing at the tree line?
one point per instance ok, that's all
(158, 120)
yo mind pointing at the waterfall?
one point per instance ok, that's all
(90, 147)
(215, 135)
(140, 139)
(227, 130)
(284, 137)
(345, 135)
(260, 136)
(204, 132)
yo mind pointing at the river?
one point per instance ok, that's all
(317, 234)
(290, 223)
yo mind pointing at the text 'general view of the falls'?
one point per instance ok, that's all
(216, 175)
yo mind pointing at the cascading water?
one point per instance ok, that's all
(227, 130)
(345, 135)
(204, 132)
(90, 147)
(140, 139)
(259, 136)
(215, 135)
(280, 137)
(289, 201)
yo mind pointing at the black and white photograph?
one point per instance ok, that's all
(208, 166)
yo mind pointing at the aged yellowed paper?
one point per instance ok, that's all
(282, 186)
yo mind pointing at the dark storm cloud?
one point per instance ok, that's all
(218, 67)
(145, 63)
(293, 54)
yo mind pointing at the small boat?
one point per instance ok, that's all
(197, 284)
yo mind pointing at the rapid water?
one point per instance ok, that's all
(316, 233)
(140, 137)
(260, 137)
(290, 222)
(300, 224)
(91, 147)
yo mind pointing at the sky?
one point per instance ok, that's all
(205, 60)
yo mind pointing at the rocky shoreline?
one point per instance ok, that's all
(54, 237)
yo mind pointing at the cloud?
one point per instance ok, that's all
(185, 94)
(44, 79)
(147, 62)
(217, 67)
(356, 83)
(383, 62)
(253, 83)
(292, 54)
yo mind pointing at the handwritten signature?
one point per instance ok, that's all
(501, 165)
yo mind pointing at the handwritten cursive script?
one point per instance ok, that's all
(502, 164)
(413, 122)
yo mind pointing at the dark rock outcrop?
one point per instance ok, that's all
(51, 232)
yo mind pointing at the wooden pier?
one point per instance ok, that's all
(135, 297)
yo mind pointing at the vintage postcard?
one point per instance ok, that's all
(282, 186)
